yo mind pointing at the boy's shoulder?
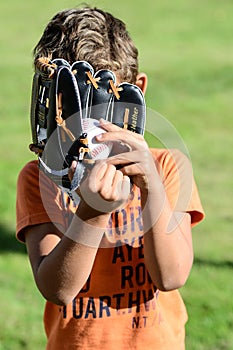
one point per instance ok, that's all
(30, 169)
(28, 175)
(31, 166)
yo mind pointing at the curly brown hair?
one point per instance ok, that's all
(92, 35)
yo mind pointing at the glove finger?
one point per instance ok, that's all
(64, 124)
(65, 87)
(129, 110)
(81, 71)
(102, 96)
(43, 77)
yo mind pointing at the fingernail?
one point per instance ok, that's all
(99, 137)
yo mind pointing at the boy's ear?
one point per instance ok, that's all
(141, 82)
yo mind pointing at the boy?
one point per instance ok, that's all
(109, 277)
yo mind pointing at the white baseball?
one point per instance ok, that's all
(98, 150)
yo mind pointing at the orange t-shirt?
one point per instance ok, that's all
(119, 307)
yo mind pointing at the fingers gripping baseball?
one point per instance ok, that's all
(114, 133)
(105, 188)
(138, 163)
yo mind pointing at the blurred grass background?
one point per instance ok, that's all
(186, 50)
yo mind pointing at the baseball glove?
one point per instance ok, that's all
(63, 96)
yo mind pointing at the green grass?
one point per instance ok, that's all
(186, 50)
(21, 305)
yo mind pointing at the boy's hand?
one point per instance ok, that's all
(138, 163)
(105, 188)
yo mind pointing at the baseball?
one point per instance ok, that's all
(98, 150)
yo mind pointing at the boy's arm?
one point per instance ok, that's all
(61, 264)
(167, 242)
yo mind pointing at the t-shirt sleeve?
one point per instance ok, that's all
(37, 200)
(177, 174)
